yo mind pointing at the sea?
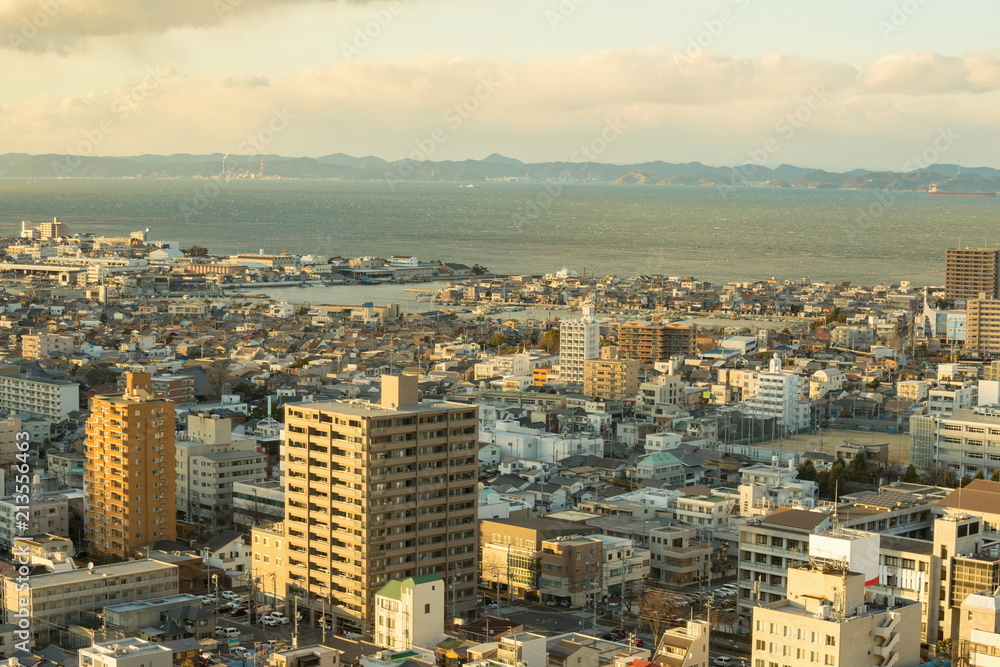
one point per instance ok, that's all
(715, 233)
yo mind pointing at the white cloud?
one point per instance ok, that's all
(932, 73)
(713, 109)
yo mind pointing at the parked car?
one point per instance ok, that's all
(268, 622)
(611, 637)
(227, 632)
(241, 652)
(621, 634)
(280, 618)
(230, 595)
(209, 599)
(723, 661)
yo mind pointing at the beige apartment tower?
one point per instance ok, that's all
(972, 273)
(374, 492)
(129, 479)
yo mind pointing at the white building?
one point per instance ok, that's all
(47, 513)
(579, 340)
(913, 390)
(824, 381)
(828, 619)
(685, 646)
(208, 463)
(53, 399)
(410, 613)
(514, 440)
(129, 652)
(779, 395)
(59, 599)
(948, 399)
(766, 487)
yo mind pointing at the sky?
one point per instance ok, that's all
(874, 84)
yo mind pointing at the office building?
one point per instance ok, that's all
(130, 478)
(374, 492)
(972, 273)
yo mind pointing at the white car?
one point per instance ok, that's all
(230, 595)
(723, 661)
(227, 632)
(280, 618)
(241, 652)
(209, 599)
(268, 622)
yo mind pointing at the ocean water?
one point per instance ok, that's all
(707, 232)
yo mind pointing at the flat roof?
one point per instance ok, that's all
(362, 409)
(99, 572)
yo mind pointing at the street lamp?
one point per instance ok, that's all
(215, 580)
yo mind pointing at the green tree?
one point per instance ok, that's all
(807, 471)
(996, 476)
(979, 474)
(479, 270)
(298, 363)
(195, 251)
(550, 341)
(858, 469)
(498, 340)
(912, 477)
(839, 474)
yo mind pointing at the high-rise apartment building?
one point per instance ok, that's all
(579, 340)
(129, 483)
(972, 273)
(982, 326)
(374, 492)
(649, 342)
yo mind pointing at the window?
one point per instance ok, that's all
(427, 609)
(831, 640)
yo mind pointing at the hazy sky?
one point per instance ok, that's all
(834, 84)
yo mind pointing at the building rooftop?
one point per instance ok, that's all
(785, 517)
(366, 409)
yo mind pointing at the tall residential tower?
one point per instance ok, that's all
(374, 492)
(129, 480)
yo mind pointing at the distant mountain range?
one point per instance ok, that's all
(494, 167)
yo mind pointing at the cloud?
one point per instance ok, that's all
(61, 25)
(714, 109)
(933, 74)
